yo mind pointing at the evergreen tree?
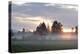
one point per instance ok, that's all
(56, 26)
(41, 29)
(23, 30)
(76, 29)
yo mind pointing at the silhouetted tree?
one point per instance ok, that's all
(76, 29)
(72, 28)
(56, 26)
(41, 29)
(23, 30)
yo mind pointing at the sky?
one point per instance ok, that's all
(29, 15)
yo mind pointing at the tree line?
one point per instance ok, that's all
(55, 28)
(43, 29)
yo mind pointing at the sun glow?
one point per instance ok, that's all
(37, 20)
(68, 30)
(34, 20)
(67, 37)
(31, 30)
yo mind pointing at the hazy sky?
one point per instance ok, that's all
(30, 15)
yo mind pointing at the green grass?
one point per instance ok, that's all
(21, 47)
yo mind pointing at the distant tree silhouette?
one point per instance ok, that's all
(72, 28)
(76, 29)
(23, 30)
(41, 29)
(56, 26)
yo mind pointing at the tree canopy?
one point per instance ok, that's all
(41, 29)
(56, 26)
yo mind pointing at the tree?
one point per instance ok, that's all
(23, 30)
(76, 29)
(72, 28)
(56, 26)
(41, 29)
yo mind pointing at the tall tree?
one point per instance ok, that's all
(56, 26)
(23, 30)
(76, 29)
(41, 29)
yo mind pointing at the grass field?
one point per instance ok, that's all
(42, 45)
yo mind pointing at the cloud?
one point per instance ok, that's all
(50, 4)
(39, 9)
(67, 14)
(34, 20)
(18, 2)
(75, 7)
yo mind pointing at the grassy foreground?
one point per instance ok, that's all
(30, 46)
